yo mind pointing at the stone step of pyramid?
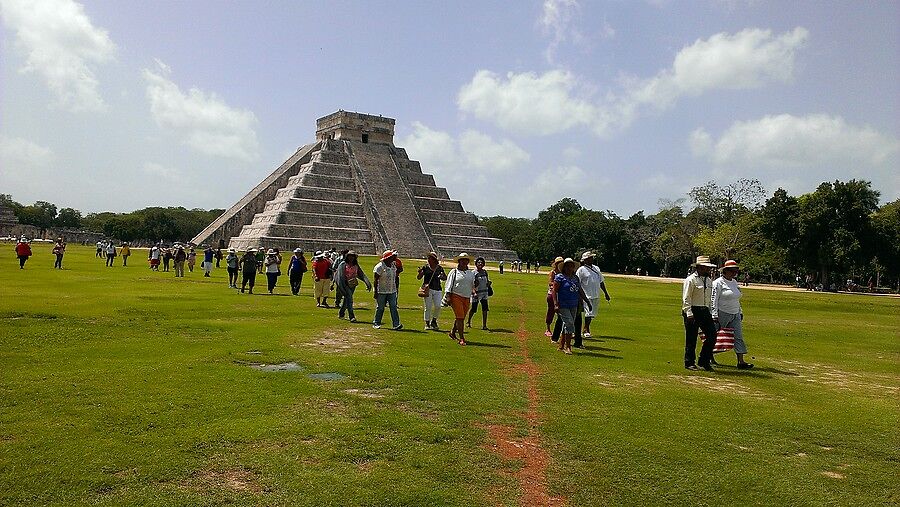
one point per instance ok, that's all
(449, 252)
(353, 209)
(306, 244)
(419, 179)
(429, 203)
(316, 219)
(328, 169)
(331, 157)
(457, 242)
(441, 216)
(311, 231)
(450, 229)
(322, 181)
(429, 191)
(317, 193)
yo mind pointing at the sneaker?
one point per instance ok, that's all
(692, 367)
(707, 367)
(568, 352)
(398, 327)
(428, 326)
(744, 366)
(586, 335)
(376, 326)
(353, 319)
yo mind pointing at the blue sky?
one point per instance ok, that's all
(118, 105)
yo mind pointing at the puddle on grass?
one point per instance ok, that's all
(292, 366)
(327, 376)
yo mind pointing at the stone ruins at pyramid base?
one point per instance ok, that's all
(353, 189)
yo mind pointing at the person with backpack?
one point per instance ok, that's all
(248, 268)
(482, 292)
(322, 277)
(347, 276)
(296, 268)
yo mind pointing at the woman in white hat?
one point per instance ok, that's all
(231, 262)
(555, 269)
(696, 300)
(347, 276)
(726, 309)
(273, 268)
(458, 295)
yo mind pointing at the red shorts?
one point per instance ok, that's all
(154, 262)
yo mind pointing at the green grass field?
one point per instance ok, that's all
(121, 386)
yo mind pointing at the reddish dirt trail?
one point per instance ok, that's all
(532, 476)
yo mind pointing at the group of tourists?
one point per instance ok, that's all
(517, 266)
(573, 295)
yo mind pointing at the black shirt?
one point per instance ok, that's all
(436, 280)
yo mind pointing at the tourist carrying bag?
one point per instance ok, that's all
(425, 290)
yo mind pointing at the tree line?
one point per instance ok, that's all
(148, 224)
(837, 232)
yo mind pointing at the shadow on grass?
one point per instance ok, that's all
(622, 338)
(587, 347)
(500, 330)
(596, 354)
(732, 371)
(490, 345)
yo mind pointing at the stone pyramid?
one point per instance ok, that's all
(353, 189)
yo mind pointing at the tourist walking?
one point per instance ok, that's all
(110, 253)
(347, 276)
(154, 254)
(592, 283)
(248, 269)
(218, 257)
(179, 257)
(500, 265)
(567, 297)
(338, 295)
(191, 259)
(296, 269)
(23, 251)
(59, 249)
(726, 309)
(386, 281)
(696, 302)
(481, 293)
(208, 255)
(100, 249)
(458, 295)
(322, 278)
(167, 258)
(260, 258)
(431, 274)
(232, 262)
(125, 252)
(555, 269)
(273, 268)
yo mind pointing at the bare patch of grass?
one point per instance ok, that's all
(719, 385)
(861, 383)
(338, 341)
(238, 480)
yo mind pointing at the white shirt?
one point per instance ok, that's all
(460, 282)
(590, 278)
(726, 297)
(387, 278)
(154, 253)
(697, 291)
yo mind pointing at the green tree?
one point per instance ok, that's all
(41, 214)
(886, 226)
(68, 217)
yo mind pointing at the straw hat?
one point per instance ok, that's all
(587, 255)
(388, 254)
(730, 264)
(298, 250)
(568, 260)
(270, 252)
(556, 261)
(463, 256)
(433, 254)
(349, 253)
(703, 260)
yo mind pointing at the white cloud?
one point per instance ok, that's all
(556, 22)
(556, 101)
(571, 153)
(793, 150)
(527, 103)
(208, 124)
(24, 165)
(157, 170)
(62, 46)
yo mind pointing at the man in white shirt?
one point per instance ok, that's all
(592, 283)
(696, 302)
(386, 281)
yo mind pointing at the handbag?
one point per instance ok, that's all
(724, 339)
(490, 288)
(425, 290)
(445, 301)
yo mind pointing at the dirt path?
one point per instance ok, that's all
(532, 476)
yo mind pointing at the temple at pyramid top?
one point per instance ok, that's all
(352, 188)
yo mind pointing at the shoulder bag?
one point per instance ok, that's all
(425, 290)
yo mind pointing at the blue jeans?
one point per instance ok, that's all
(347, 304)
(391, 300)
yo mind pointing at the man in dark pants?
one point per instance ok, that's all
(696, 298)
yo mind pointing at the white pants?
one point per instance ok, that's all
(207, 267)
(595, 302)
(433, 304)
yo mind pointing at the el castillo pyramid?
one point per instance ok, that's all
(353, 189)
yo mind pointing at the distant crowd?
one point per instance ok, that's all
(710, 308)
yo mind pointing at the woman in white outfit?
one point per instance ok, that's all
(726, 309)
(458, 295)
(432, 274)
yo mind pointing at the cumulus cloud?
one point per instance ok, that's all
(24, 165)
(556, 101)
(800, 149)
(527, 103)
(62, 46)
(206, 122)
